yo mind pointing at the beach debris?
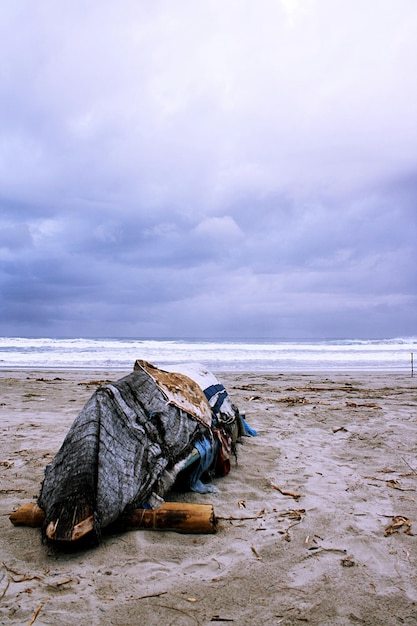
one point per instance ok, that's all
(28, 515)
(35, 615)
(284, 492)
(316, 550)
(246, 387)
(3, 593)
(65, 581)
(399, 522)
(25, 579)
(292, 401)
(367, 405)
(294, 514)
(339, 429)
(152, 595)
(18, 577)
(11, 570)
(348, 387)
(394, 484)
(93, 383)
(7, 464)
(258, 556)
(391, 482)
(242, 504)
(181, 517)
(347, 561)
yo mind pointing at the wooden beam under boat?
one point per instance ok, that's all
(181, 517)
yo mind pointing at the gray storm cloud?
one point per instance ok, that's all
(211, 169)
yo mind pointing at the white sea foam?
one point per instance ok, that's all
(388, 354)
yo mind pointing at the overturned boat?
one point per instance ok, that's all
(131, 442)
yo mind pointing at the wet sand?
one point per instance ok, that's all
(316, 525)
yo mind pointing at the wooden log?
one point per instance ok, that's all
(28, 515)
(181, 517)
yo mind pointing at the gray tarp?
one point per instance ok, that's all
(119, 453)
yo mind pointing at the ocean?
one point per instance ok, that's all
(218, 355)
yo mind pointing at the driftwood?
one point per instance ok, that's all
(28, 515)
(179, 517)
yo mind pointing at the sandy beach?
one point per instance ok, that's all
(317, 522)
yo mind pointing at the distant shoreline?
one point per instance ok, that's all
(258, 372)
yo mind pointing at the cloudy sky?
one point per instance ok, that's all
(208, 168)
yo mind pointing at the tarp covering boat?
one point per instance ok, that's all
(127, 446)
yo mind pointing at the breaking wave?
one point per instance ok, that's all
(220, 355)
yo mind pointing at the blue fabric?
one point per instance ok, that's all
(221, 392)
(249, 432)
(211, 391)
(207, 450)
